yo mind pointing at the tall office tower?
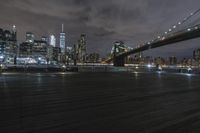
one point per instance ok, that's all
(62, 40)
(82, 48)
(52, 40)
(83, 42)
(14, 46)
(172, 60)
(14, 33)
(30, 37)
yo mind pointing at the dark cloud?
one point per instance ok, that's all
(104, 21)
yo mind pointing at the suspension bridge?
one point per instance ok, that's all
(177, 33)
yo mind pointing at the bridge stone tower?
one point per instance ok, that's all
(118, 48)
(119, 61)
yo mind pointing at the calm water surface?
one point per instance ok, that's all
(99, 103)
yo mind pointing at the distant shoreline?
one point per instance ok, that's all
(97, 69)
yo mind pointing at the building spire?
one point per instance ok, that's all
(62, 27)
(14, 28)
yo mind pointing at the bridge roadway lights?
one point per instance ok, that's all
(119, 61)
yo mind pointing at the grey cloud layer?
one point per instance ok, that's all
(104, 21)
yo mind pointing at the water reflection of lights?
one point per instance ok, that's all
(66, 73)
(62, 73)
(187, 74)
(136, 74)
(159, 72)
(9, 73)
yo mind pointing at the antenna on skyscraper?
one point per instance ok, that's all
(14, 28)
(62, 27)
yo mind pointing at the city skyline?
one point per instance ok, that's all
(100, 66)
(134, 22)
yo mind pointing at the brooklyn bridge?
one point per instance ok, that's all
(177, 33)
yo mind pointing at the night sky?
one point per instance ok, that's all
(103, 21)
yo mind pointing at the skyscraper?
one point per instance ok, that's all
(52, 40)
(62, 40)
(196, 55)
(44, 38)
(83, 43)
(14, 33)
(30, 37)
(82, 48)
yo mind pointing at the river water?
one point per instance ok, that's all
(99, 103)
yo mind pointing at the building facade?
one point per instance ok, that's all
(196, 55)
(30, 37)
(8, 45)
(80, 49)
(62, 40)
(52, 40)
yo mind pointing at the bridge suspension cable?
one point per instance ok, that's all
(172, 36)
(174, 28)
(186, 19)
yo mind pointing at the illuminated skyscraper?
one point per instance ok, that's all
(62, 40)
(30, 37)
(52, 40)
